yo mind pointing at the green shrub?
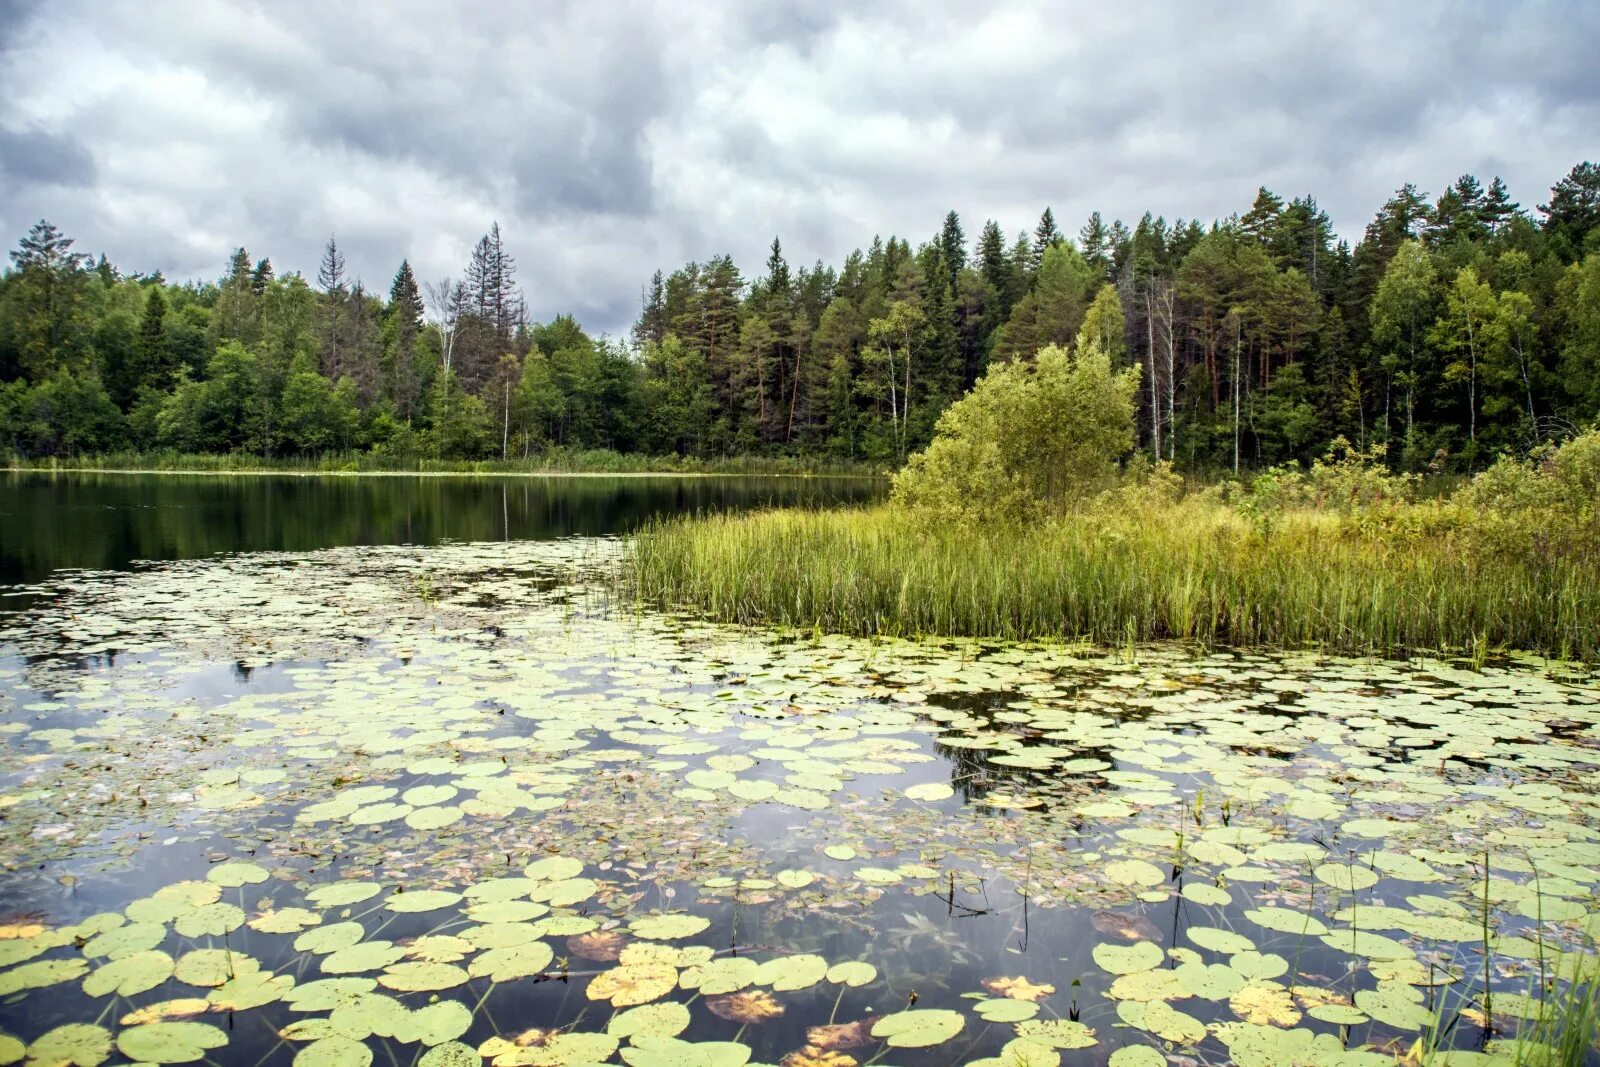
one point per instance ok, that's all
(1028, 441)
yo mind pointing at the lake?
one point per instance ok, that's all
(349, 770)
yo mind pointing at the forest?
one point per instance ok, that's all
(1456, 329)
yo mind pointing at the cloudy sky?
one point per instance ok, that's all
(612, 138)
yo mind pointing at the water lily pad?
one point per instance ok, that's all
(334, 1052)
(170, 1042)
(130, 975)
(512, 962)
(668, 1019)
(75, 1044)
(419, 977)
(633, 984)
(1127, 959)
(668, 927)
(237, 873)
(1134, 872)
(788, 973)
(918, 1027)
(421, 901)
(1058, 1033)
(554, 869)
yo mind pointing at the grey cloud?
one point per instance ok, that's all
(36, 156)
(612, 139)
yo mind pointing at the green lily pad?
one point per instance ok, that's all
(918, 1027)
(72, 1045)
(170, 1042)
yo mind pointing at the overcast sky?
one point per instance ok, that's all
(609, 139)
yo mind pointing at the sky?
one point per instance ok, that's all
(610, 139)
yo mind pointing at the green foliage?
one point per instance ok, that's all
(1457, 330)
(1026, 441)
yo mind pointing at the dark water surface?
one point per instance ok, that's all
(53, 521)
(384, 770)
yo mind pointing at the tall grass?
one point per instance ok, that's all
(1428, 576)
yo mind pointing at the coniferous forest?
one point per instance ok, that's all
(1458, 327)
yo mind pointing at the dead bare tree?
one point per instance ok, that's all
(447, 300)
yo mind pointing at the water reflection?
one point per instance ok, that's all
(49, 522)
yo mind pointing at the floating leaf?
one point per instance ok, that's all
(918, 1027)
(1134, 872)
(251, 990)
(72, 1045)
(210, 967)
(417, 977)
(748, 1006)
(843, 1035)
(1003, 1010)
(1017, 988)
(512, 962)
(170, 1042)
(1057, 1033)
(788, 973)
(554, 869)
(237, 873)
(130, 975)
(1346, 877)
(668, 927)
(667, 1019)
(1127, 959)
(852, 973)
(182, 1008)
(633, 984)
(334, 1052)
(421, 901)
(1137, 1056)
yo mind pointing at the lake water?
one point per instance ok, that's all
(340, 771)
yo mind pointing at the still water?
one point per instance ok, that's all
(333, 771)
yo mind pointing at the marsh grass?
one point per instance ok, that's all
(1433, 575)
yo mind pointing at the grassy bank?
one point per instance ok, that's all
(555, 461)
(1441, 574)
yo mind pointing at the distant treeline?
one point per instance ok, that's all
(1456, 329)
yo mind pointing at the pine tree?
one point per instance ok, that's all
(1498, 207)
(1094, 241)
(1573, 212)
(1045, 235)
(261, 277)
(47, 248)
(1261, 221)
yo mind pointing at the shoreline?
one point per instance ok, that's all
(269, 472)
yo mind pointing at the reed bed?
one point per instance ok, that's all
(1426, 576)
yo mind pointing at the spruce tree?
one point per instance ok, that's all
(1094, 240)
(1045, 235)
(405, 299)
(953, 246)
(330, 275)
(651, 328)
